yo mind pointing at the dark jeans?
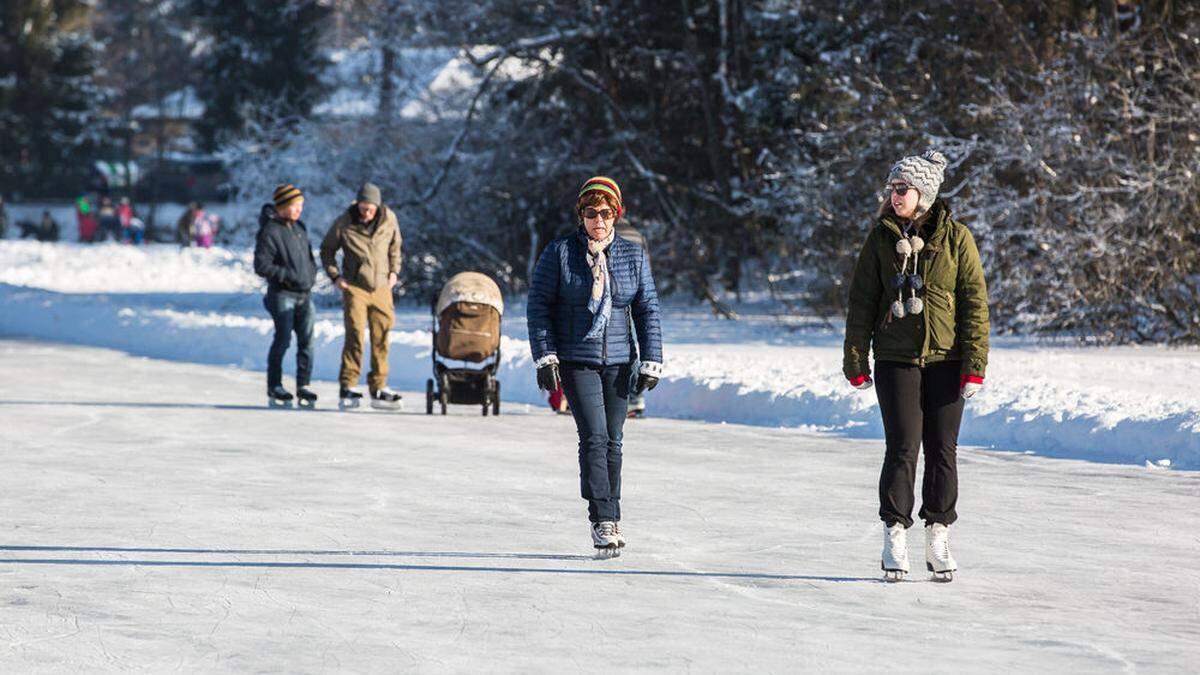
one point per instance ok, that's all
(920, 406)
(291, 312)
(599, 400)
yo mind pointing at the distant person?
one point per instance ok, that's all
(86, 219)
(183, 227)
(124, 214)
(48, 231)
(204, 228)
(283, 256)
(135, 233)
(110, 223)
(589, 292)
(28, 230)
(367, 235)
(918, 300)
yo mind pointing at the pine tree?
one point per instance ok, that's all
(49, 125)
(263, 59)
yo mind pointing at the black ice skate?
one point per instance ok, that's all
(306, 397)
(349, 398)
(278, 397)
(386, 399)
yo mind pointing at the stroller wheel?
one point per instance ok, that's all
(429, 397)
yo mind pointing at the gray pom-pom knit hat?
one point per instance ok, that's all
(925, 173)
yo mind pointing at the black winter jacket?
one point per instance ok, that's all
(282, 254)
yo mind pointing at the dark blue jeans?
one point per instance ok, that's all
(292, 312)
(599, 400)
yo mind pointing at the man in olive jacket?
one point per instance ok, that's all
(368, 236)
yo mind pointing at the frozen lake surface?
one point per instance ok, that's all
(154, 515)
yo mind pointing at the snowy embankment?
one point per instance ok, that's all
(1127, 405)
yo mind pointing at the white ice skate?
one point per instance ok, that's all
(604, 539)
(386, 399)
(617, 533)
(937, 553)
(895, 553)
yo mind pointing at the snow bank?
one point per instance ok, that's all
(1127, 405)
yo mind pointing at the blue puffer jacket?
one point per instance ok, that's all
(558, 315)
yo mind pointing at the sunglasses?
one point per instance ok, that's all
(603, 214)
(901, 189)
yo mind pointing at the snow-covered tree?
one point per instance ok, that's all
(259, 58)
(50, 124)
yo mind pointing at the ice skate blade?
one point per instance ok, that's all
(942, 577)
(276, 403)
(608, 552)
(349, 404)
(307, 405)
(388, 407)
(894, 576)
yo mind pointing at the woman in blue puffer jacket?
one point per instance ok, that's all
(590, 292)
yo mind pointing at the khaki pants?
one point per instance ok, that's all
(372, 311)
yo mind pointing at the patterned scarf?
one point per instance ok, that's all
(600, 302)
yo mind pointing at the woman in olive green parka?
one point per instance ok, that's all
(918, 300)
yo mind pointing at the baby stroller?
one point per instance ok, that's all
(466, 328)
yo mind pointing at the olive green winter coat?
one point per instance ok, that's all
(954, 324)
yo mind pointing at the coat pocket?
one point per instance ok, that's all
(939, 304)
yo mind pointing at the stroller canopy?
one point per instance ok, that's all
(470, 287)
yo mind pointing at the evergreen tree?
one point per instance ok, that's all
(263, 58)
(49, 126)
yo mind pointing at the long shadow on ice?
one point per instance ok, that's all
(98, 562)
(196, 406)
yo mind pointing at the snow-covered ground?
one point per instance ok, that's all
(1126, 405)
(155, 516)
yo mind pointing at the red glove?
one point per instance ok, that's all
(969, 385)
(861, 381)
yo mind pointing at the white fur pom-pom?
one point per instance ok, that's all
(914, 305)
(904, 248)
(898, 309)
(918, 244)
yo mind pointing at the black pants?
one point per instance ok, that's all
(920, 406)
(292, 312)
(599, 400)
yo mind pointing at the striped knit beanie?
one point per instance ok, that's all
(925, 173)
(606, 185)
(286, 193)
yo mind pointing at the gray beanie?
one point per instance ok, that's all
(925, 173)
(369, 193)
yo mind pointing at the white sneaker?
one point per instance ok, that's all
(937, 552)
(604, 534)
(895, 552)
(617, 533)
